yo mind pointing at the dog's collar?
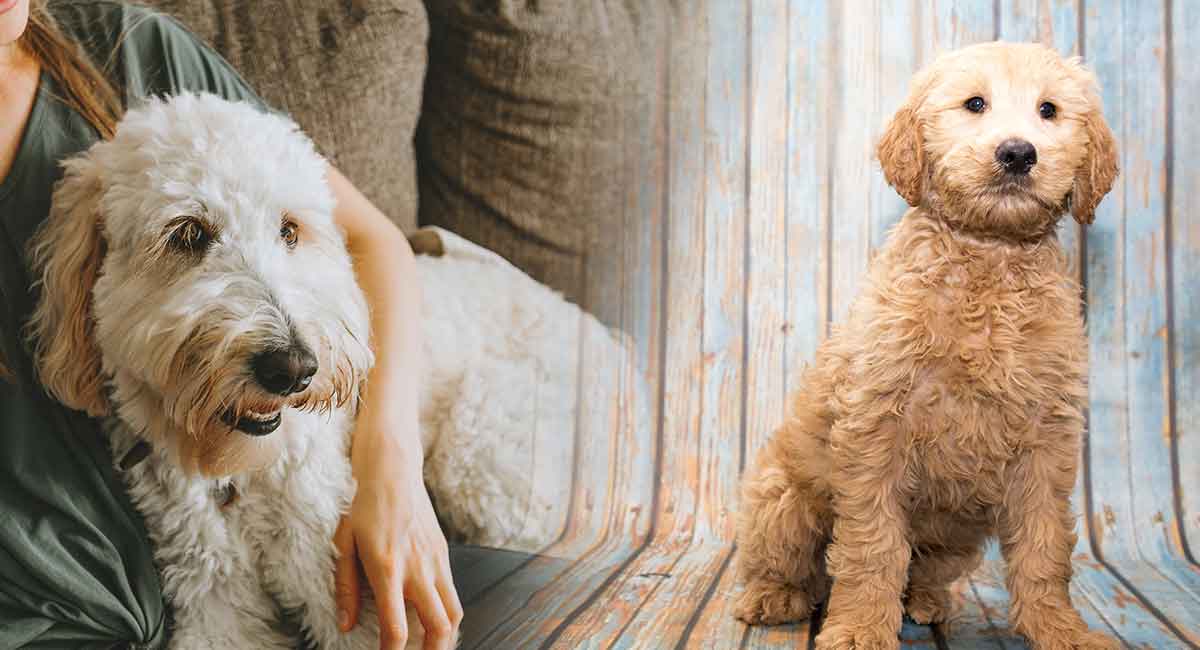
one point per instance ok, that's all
(226, 494)
(135, 455)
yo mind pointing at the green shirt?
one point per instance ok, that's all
(76, 568)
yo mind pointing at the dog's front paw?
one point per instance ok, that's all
(839, 634)
(772, 603)
(929, 606)
(1075, 640)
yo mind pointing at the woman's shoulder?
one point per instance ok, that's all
(147, 52)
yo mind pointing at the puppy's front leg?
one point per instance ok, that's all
(870, 552)
(1037, 538)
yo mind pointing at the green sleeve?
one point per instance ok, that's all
(162, 58)
(156, 55)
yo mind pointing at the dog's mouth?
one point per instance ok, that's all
(1012, 184)
(254, 424)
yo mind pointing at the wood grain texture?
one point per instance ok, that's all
(702, 422)
(810, 100)
(1132, 436)
(755, 205)
(1184, 166)
(767, 222)
(853, 131)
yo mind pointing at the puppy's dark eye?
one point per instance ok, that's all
(975, 104)
(190, 235)
(1047, 110)
(289, 232)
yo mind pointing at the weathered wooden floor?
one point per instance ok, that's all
(754, 204)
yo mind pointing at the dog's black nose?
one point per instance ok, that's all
(285, 371)
(1017, 156)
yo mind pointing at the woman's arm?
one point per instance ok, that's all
(391, 528)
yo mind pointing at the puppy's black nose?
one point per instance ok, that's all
(1017, 156)
(285, 371)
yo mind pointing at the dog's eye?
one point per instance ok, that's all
(1047, 110)
(975, 104)
(289, 232)
(190, 236)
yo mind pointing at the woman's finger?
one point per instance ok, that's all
(449, 594)
(387, 582)
(425, 598)
(346, 585)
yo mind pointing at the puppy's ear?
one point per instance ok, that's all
(65, 256)
(901, 153)
(1098, 171)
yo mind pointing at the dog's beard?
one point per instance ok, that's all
(999, 206)
(195, 408)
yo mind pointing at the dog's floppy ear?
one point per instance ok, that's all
(65, 256)
(901, 152)
(1098, 171)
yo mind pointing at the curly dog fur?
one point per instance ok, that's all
(949, 408)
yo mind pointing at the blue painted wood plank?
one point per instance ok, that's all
(853, 166)
(714, 626)
(810, 80)
(668, 610)
(1144, 117)
(1132, 487)
(951, 24)
(767, 224)
(1052, 22)
(1185, 259)
(701, 435)
(918, 637)
(726, 142)
(1111, 500)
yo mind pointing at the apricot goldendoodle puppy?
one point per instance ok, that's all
(949, 407)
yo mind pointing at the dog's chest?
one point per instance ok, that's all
(247, 537)
(999, 355)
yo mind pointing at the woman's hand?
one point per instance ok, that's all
(392, 532)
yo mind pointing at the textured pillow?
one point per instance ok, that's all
(532, 110)
(348, 71)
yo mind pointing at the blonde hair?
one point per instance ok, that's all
(84, 87)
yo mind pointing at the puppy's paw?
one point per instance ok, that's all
(929, 606)
(772, 603)
(1075, 640)
(838, 634)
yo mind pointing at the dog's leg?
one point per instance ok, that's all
(208, 575)
(298, 567)
(1037, 537)
(229, 615)
(934, 570)
(783, 529)
(869, 556)
(303, 581)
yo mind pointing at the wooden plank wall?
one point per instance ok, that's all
(755, 205)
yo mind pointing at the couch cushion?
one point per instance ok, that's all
(526, 126)
(349, 72)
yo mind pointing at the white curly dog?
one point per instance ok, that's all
(197, 295)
